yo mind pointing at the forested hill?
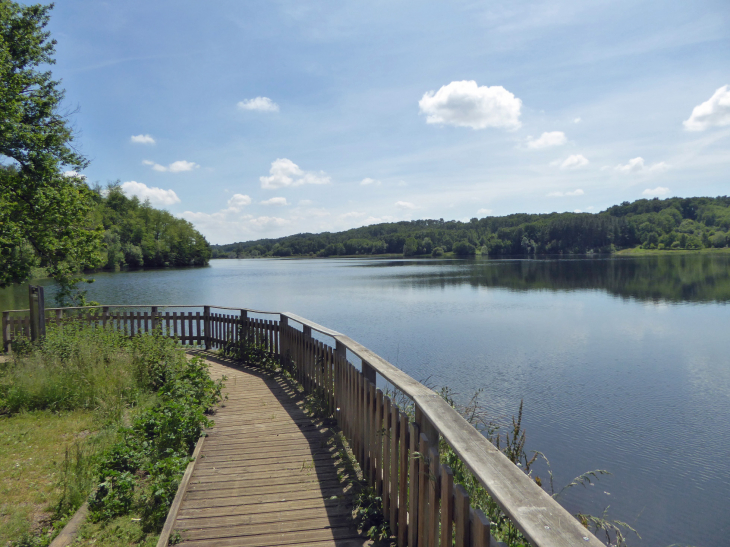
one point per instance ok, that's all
(674, 223)
(138, 235)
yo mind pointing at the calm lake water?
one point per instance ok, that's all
(623, 363)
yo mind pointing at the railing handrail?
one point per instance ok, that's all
(543, 521)
(149, 306)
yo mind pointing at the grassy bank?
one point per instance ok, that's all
(91, 414)
(639, 251)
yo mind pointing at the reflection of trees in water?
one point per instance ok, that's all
(679, 278)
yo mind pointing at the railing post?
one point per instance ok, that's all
(36, 303)
(104, 315)
(306, 367)
(155, 319)
(6, 331)
(283, 341)
(341, 357)
(425, 426)
(369, 372)
(206, 324)
(241, 334)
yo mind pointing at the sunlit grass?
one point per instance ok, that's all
(32, 452)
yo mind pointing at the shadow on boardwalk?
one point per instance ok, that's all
(268, 474)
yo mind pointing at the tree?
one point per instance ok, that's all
(44, 204)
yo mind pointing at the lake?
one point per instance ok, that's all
(623, 363)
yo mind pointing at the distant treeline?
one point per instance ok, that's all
(674, 223)
(137, 235)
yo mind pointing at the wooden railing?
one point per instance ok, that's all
(399, 455)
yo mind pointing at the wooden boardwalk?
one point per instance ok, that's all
(267, 474)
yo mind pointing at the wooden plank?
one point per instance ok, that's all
(434, 492)
(394, 454)
(461, 516)
(480, 535)
(177, 501)
(286, 538)
(413, 486)
(403, 468)
(424, 515)
(447, 505)
(269, 528)
(387, 434)
(275, 515)
(378, 442)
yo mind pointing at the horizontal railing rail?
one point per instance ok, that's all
(398, 453)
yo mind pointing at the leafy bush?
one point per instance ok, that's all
(158, 444)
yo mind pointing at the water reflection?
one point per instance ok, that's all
(674, 278)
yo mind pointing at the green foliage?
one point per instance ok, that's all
(647, 223)
(157, 447)
(250, 346)
(369, 515)
(90, 367)
(138, 235)
(44, 214)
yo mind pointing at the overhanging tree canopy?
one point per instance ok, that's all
(44, 213)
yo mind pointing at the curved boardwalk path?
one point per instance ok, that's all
(267, 474)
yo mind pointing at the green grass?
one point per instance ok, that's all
(33, 449)
(76, 407)
(638, 251)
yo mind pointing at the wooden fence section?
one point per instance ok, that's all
(398, 453)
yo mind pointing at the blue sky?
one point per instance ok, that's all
(262, 119)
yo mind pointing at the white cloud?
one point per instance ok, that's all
(406, 205)
(73, 174)
(637, 165)
(157, 196)
(353, 214)
(577, 120)
(260, 104)
(368, 181)
(238, 201)
(547, 139)
(175, 167)
(464, 104)
(658, 191)
(305, 202)
(576, 192)
(484, 212)
(284, 173)
(275, 201)
(575, 161)
(713, 112)
(142, 139)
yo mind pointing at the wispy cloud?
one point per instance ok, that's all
(260, 104)
(279, 202)
(369, 181)
(142, 139)
(577, 192)
(576, 161)
(465, 104)
(637, 165)
(547, 139)
(175, 167)
(406, 205)
(484, 212)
